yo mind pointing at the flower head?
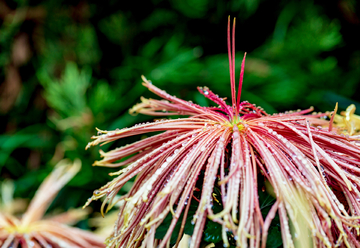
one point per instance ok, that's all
(314, 172)
(32, 230)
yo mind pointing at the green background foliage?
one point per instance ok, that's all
(70, 66)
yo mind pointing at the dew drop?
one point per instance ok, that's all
(341, 207)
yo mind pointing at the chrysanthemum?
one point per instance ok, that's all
(34, 231)
(314, 172)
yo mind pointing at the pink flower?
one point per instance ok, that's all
(314, 172)
(34, 231)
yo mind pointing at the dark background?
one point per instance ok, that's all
(70, 66)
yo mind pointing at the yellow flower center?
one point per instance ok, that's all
(21, 229)
(237, 121)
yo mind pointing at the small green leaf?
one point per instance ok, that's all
(266, 201)
(212, 232)
(274, 237)
(189, 227)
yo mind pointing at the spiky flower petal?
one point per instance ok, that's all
(314, 173)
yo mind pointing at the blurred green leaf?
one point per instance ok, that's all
(67, 96)
(31, 137)
(159, 17)
(117, 22)
(191, 8)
